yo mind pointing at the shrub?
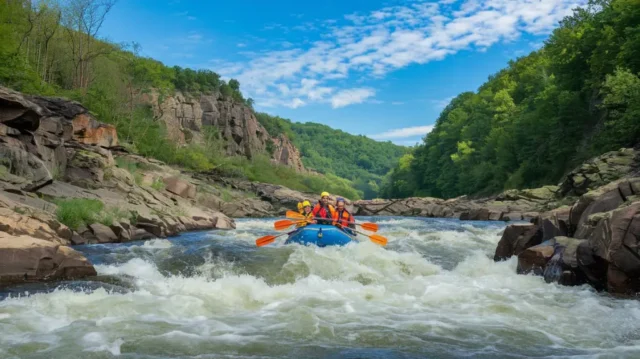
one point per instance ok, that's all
(78, 211)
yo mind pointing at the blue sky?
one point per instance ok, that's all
(381, 68)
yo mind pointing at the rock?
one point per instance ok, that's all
(77, 239)
(27, 224)
(599, 171)
(139, 234)
(26, 165)
(247, 207)
(17, 112)
(86, 167)
(121, 232)
(89, 131)
(180, 187)
(285, 153)
(184, 117)
(515, 239)
(27, 259)
(603, 199)
(103, 233)
(555, 223)
(534, 259)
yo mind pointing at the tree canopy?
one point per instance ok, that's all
(531, 123)
(330, 151)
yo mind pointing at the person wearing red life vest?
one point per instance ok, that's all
(323, 211)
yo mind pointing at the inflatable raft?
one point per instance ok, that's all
(321, 235)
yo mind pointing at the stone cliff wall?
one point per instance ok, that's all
(242, 134)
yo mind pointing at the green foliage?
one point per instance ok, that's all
(531, 123)
(158, 184)
(359, 159)
(78, 211)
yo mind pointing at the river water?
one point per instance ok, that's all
(432, 292)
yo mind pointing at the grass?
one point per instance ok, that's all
(77, 212)
(158, 184)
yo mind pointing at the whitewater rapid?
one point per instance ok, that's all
(434, 291)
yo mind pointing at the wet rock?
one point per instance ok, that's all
(180, 187)
(555, 223)
(534, 259)
(139, 234)
(103, 233)
(25, 259)
(121, 232)
(604, 199)
(515, 239)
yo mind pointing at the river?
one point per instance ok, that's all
(432, 292)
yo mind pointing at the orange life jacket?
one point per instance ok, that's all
(342, 217)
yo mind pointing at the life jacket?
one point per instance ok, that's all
(307, 216)
(321, 212)
(342, 217)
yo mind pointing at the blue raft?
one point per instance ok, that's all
(321, 235)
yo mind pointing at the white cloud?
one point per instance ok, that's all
(241, 44)
(351, 96)
(371, 45)
(403, 132)
(441, 104)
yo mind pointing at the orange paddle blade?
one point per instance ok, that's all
(378, 239)
(263, 241)
(372, 227)
(295, 215)
(283, 224)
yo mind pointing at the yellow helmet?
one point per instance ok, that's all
(324, 194)
(300, 205)
(306, 204)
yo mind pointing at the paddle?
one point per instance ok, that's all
(285, 223)
(372, 227)
(263, 241)
(375, 238)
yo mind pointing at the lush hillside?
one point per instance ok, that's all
(331, 151)
(529, 124)
(51, 48)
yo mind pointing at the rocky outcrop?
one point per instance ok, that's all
(27, 259)
(461, 208)
(57, 149)
(595, 241)
(599, 171)
(185, 115)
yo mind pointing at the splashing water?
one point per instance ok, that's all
(432, 292)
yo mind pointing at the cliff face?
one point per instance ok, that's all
(241, 132)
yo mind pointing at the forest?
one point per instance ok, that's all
(534, 121)
(53, 48)
(326, 150)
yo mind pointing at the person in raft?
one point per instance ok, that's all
(323, 211)
(308, 213)
(342, 218)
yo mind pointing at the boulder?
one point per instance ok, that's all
(534, 259)
(29, 224)
(604, 199)
(89, 131)
(103, 233)
(26, 259)
(599, 171)
(180, 187)
(18, 112)
(26, 165)
(122, 231)
(515, 239)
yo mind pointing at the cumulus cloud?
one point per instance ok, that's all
(403, 132)
(351, 96)
(370, 45)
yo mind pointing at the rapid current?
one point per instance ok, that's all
(432, 292)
